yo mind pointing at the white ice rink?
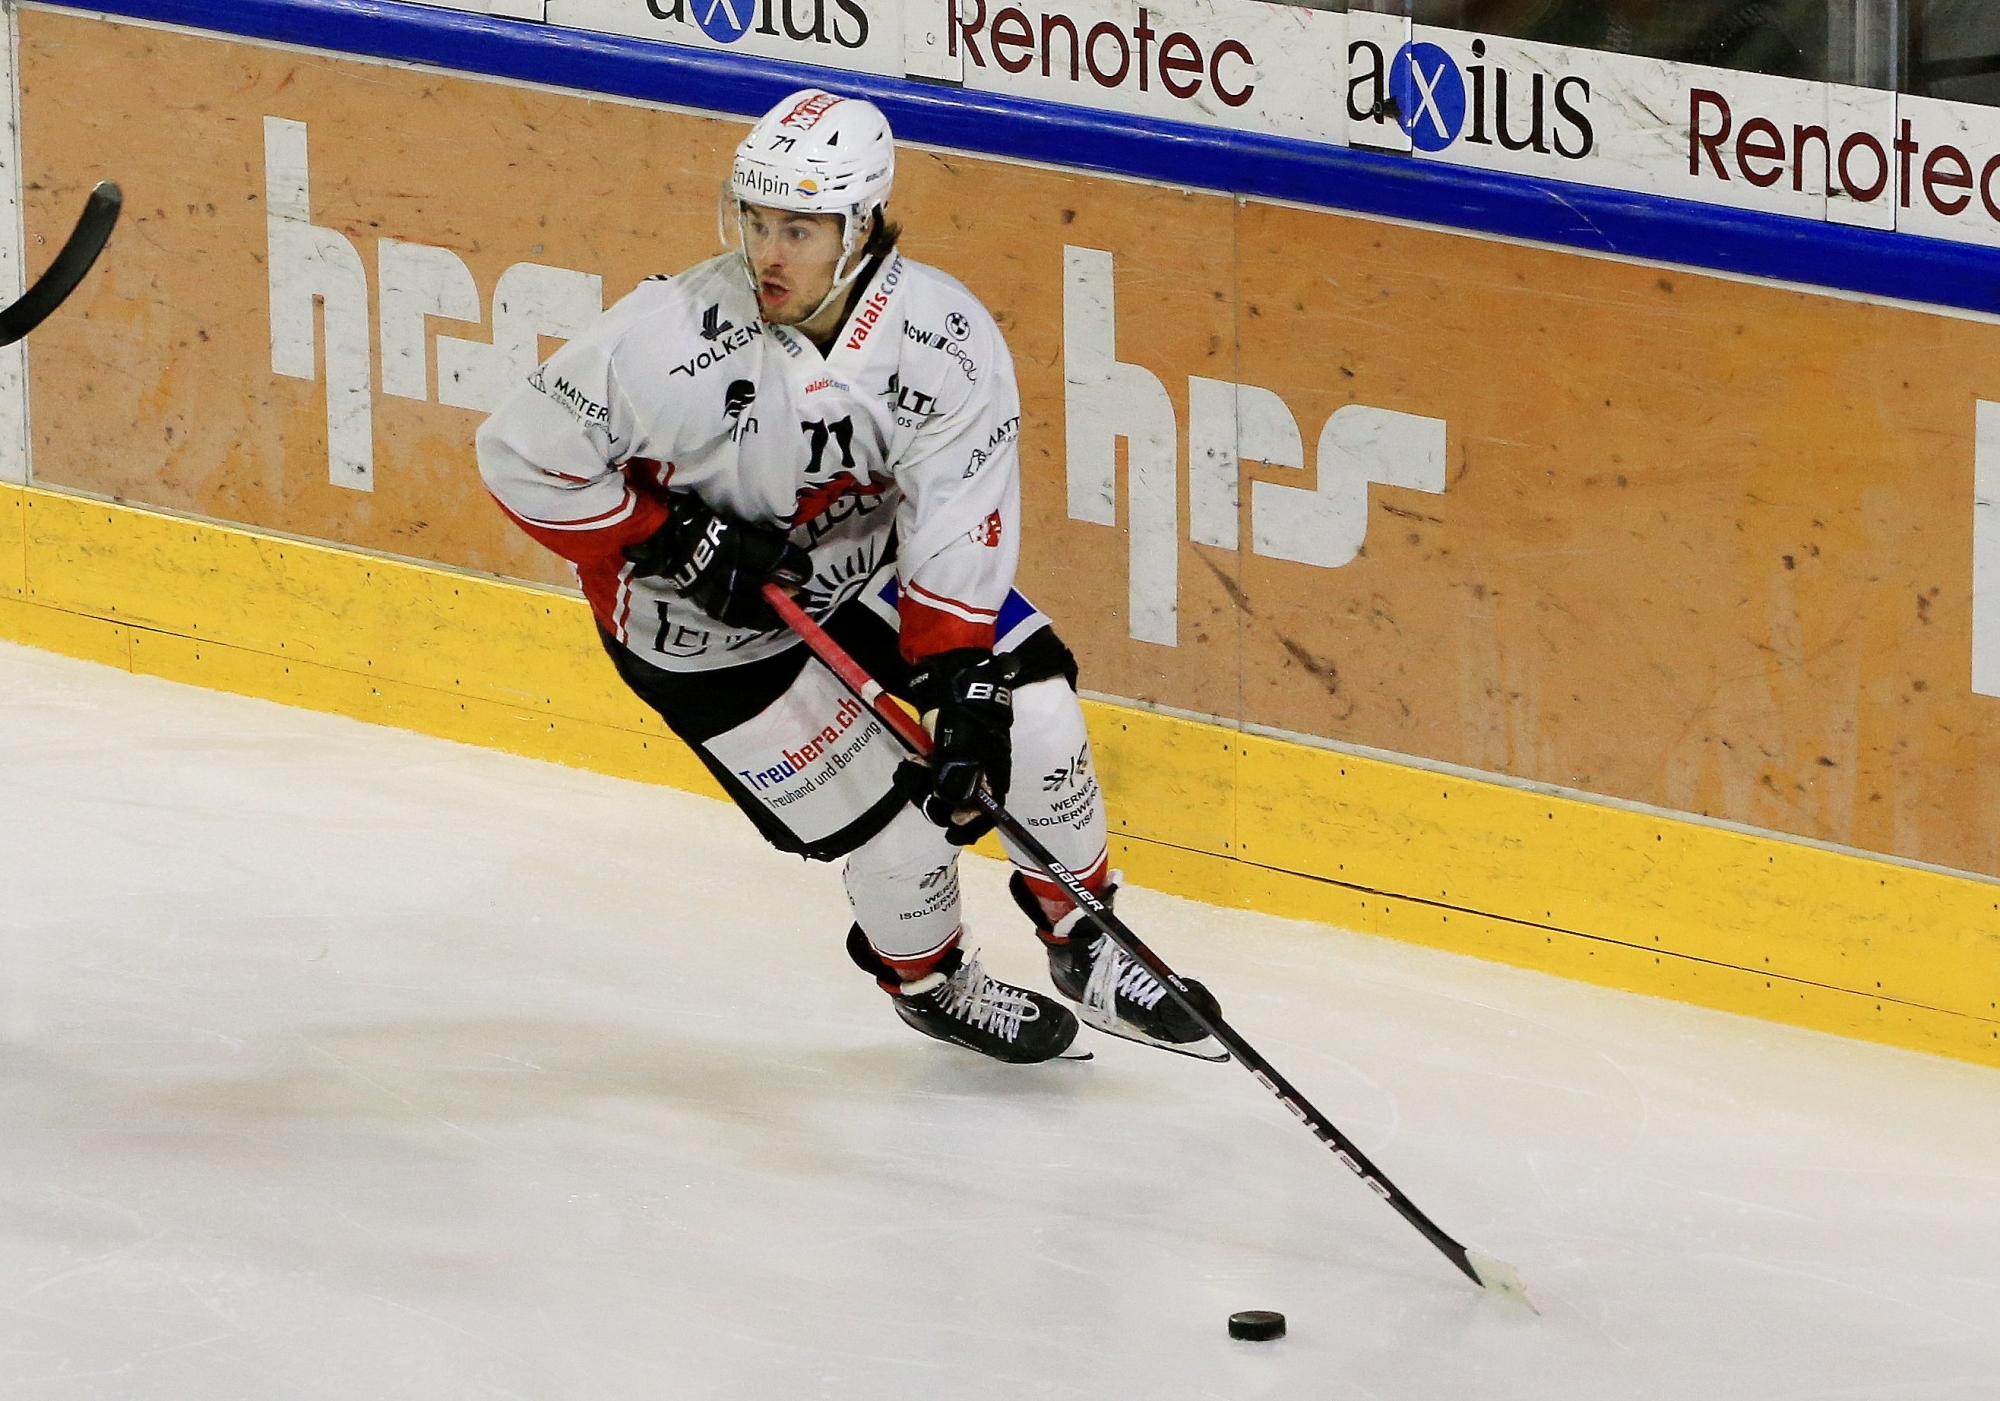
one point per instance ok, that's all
(337, 1062)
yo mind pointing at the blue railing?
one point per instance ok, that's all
(1808, 252)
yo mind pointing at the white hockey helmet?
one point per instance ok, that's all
(815, 153)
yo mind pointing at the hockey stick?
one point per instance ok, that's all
(86, 241)
(1482, 1270)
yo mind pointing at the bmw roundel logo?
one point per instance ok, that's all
(959, 327)
(1430, 95)
(718, 18)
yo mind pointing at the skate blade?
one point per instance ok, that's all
(1205, 1049)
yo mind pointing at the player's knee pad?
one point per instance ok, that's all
(1055, 792)
(903, 886)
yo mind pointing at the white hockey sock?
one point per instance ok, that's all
(903, 887)
(1055, 792)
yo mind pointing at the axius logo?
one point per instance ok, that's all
(1439, 103)
(718, 19)
(726, 21)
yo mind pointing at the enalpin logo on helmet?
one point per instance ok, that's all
(758, 181)
(804, 21)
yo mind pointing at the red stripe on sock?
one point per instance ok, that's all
(922, 965)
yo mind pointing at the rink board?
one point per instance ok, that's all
(1744, 923)
(1703, 545)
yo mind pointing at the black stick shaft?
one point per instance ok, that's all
(1267, 1075)
(52, 288)
(913, 736)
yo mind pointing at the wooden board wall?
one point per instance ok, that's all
(1704, 545)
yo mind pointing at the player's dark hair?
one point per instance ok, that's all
(882, 237)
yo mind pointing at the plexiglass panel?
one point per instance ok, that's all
(1935, 48)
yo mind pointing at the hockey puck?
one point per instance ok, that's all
(1257, 1325)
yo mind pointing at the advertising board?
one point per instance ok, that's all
(1810, 150)
(1238, 64)
(507, 9)
(1644, 534)
(860, 36)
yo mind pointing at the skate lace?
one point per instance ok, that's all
(1112, 973)
(985, 1003)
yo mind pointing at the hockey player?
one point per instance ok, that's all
(815, 409)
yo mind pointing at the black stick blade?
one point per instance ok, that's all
(92, 232)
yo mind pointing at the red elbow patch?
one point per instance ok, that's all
(926, 631)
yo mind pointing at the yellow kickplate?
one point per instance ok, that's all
(1736, 921)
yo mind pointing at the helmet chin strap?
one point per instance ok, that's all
(851, 245)
(843, 276)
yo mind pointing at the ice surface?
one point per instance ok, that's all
(341, 1062)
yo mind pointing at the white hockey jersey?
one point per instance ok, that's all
(906, 429)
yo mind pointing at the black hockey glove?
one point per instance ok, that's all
(720, 564)
(966, 697)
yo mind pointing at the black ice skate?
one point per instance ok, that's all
(1113, 993)
(963, 1004)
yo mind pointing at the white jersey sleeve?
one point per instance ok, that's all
(567, 457)
(958, 524)
(900, 435)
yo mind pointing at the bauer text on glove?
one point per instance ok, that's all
(720, 564)
(966, 697)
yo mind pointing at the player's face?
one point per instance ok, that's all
(794, 256)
